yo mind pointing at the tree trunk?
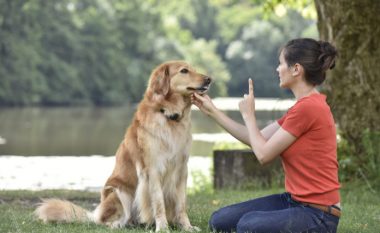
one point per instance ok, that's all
(353, 86)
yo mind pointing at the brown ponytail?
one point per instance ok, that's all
(316, 57)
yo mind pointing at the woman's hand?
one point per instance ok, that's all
(247, 105)
(204, 103)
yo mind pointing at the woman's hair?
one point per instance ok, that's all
(316, 57)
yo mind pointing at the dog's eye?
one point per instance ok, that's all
(184, 71)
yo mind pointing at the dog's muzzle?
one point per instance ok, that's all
(205, 86)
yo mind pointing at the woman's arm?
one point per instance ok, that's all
(270, 130)
(236, 129)
(265, 149)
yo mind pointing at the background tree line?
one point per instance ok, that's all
(85, 52)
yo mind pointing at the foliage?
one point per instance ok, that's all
(364, 168)
(242, 33)
(83, 52)
(305, 7)
(249, 43)
(69, 52)
(201, 183)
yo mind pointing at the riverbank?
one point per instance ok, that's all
(72, 172)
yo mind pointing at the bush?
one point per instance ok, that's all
(366, 167)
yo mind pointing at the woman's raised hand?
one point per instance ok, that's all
(247, 105)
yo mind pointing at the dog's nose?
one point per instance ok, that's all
(207, 80)
(174, 117)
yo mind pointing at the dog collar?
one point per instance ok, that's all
(173, 117)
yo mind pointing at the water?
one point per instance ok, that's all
(98, 131)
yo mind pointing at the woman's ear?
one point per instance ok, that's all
(160, 81)
(297, 69)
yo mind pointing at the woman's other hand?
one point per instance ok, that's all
(204, 103)
(247, 105)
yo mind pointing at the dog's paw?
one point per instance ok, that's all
(115, 225)
(191, 228)
(165, 230)
(120, 223)
(195, 229)
(162, 226)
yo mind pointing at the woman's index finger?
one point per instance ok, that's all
(250, 83)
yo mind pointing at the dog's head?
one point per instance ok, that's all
(177, 77)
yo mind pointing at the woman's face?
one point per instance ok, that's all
(284, 72)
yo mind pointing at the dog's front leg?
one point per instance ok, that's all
(181, 214)
(157, 200)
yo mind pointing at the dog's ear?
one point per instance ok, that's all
(160, 81)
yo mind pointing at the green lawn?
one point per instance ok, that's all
(361, 209)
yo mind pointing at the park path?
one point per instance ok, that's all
(71, 172)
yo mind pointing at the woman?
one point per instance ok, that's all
(304, 137)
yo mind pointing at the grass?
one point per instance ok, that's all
(361, 209)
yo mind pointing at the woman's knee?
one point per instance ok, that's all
(219, 222)
(215, 221)
(250, 223)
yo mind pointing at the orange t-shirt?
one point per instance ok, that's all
(310, 163)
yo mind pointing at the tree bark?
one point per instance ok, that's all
(353, 86)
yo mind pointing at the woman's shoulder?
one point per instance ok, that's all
(314, 101)
(310, 106)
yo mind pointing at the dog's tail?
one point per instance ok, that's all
(56, 210)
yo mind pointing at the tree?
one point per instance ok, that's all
(191, 35)
(247, 42)
(77, 52)
(20, 82)
(353, 86)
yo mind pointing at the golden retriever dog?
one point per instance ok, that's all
(148, 183)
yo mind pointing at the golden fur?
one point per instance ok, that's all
(148, 183)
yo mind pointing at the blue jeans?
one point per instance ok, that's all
(271, 214)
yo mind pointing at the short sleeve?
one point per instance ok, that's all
(282, 119)
(298, 119)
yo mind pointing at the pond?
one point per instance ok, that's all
(98, 131)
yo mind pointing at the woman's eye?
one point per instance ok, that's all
(184, 71)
